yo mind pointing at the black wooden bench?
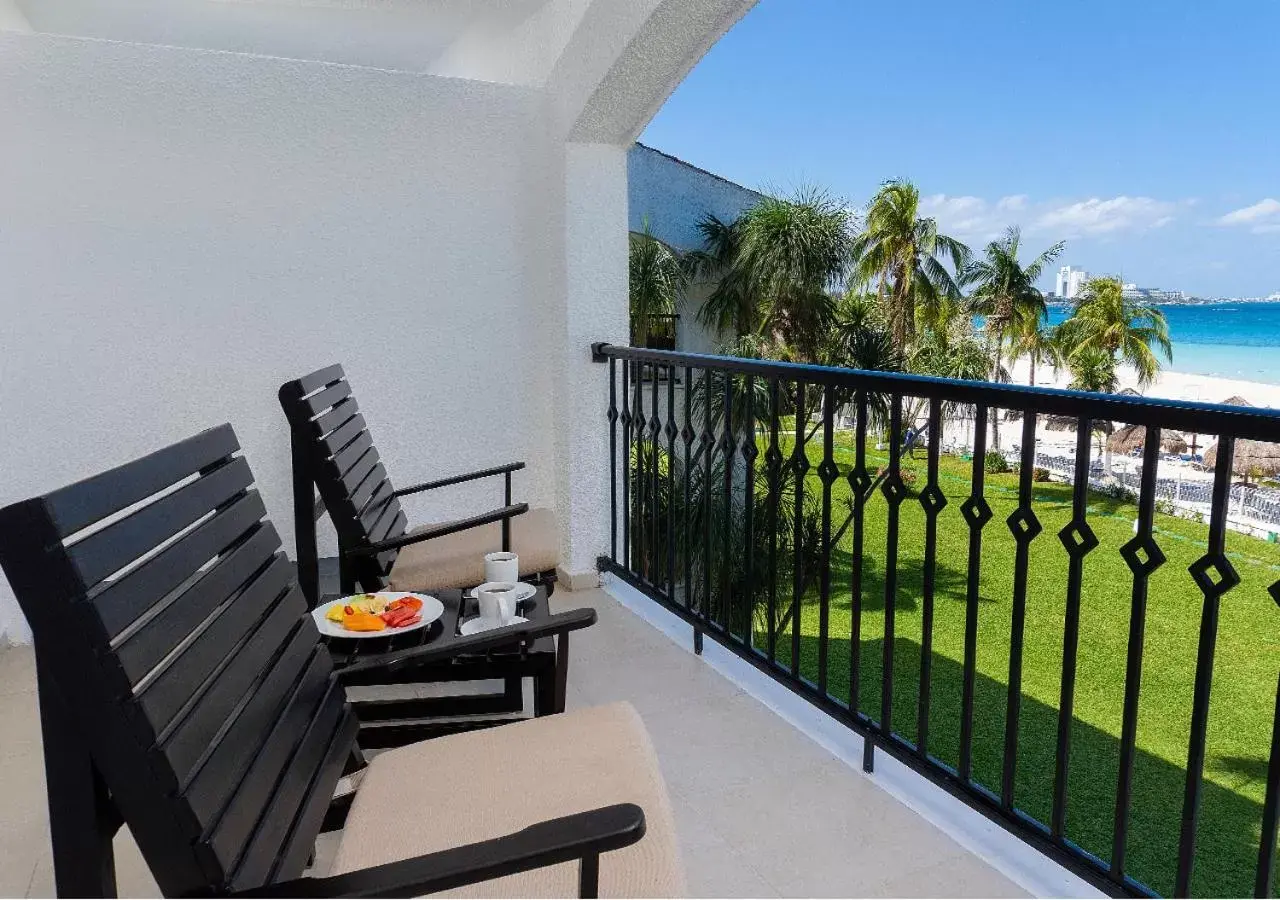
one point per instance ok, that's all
(333, 453)
(184, 691)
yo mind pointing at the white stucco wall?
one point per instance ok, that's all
(183, 228)
(182, 231)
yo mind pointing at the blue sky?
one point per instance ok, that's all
(1146, 135)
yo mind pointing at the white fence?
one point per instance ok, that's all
(1253, 510)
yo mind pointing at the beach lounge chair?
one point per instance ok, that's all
(333, 453)
(184, 691)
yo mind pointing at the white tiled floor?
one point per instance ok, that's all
(761, 810)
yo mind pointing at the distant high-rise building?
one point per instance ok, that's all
(1070, 281)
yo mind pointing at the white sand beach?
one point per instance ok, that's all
(1170, 385)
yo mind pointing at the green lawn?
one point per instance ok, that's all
(1244, 681)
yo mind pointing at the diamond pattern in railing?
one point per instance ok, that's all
(1142, 555)
(773, 458)
(1078, 538)
(1214, 574)
(933, 500)
(726, 444)
(749, 449)
(1024, 524)
(800, 461)
(859, 480)
(828, 472)
(893, 489)
(976, 511)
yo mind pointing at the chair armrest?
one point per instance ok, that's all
(580, 836)
(459, 479)
(443, 650)
(425, 534)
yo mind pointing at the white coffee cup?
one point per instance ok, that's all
(502, 566)
(497, 602)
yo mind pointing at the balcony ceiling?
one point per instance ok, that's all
(410, 35)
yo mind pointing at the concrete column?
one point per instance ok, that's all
(595, 309)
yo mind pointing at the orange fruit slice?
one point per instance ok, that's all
(362, 621)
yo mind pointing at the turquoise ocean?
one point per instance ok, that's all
(1229, 340)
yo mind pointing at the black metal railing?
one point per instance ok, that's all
(784, 511)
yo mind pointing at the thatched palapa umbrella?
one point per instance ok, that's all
(1131, 437)
(1256, 458)
(1260, 458)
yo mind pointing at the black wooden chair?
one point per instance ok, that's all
(184, 692)
(333, 453)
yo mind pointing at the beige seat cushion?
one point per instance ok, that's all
(484, 784)
(457, 560)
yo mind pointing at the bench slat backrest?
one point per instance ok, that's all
(169, 622)
(345, 467)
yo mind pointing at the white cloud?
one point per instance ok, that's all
(976, 219)
(1263, 216)
(1097, 216)
(972, 218)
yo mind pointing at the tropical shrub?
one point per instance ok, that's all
(994, 463)
(711, 516)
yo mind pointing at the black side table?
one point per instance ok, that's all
(393, 722)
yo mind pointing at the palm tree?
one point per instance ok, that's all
(730, 307)
(655, 276)
(1033, 338)
(1005, 293)
(1104, 320)
(902, 254)
(1092, 369)
(790, 253)
(952, 349)
(775, 265)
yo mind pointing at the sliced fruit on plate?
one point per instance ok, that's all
(400, 616)
(362, 621)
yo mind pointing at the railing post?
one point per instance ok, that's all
(860, 483)
(1214, 575)
(1271, 804)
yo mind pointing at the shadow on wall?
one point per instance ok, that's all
(1230, 824)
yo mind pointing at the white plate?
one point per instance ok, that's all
(477, 625)
(432, 609)
(524, 591)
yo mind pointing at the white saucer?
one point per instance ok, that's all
(523, 592)
(477, 625)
